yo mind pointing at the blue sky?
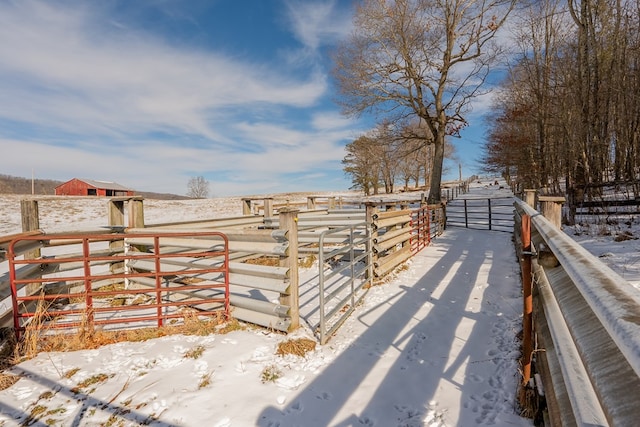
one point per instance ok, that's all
(149, 93)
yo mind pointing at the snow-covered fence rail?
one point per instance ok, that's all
(586, 319)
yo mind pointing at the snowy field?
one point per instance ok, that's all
(435, 346)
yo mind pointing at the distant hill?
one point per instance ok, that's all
(46, 187)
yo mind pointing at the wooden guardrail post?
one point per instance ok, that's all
(530, 197)
(551, 208)
(289, 223)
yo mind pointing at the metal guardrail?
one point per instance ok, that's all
(588, 319)
(338, 296)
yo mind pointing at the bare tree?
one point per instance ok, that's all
(424, 58)
(198, 187)
(362, 164)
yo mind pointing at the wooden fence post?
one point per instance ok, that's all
(404, 206)
(551, 208)
(30, 216)
(332, 202)
(136, 212)
(268, 210)
(289, 223)
(115, 214)
(444, 215)
(311, 202)
(371, 210)
(246, 206)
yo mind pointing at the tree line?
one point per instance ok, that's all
(567, 116)
(391, 154)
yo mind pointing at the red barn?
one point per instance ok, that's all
(88, 187)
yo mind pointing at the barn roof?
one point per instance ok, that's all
(101, 184)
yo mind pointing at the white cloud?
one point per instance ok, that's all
(85, 96)
(317, 23)
(63, 73)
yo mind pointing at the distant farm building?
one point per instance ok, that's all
(88, 187)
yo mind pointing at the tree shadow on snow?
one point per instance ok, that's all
(413, 340)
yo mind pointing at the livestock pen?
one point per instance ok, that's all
(272, 270)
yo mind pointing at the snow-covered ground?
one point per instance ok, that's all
(434, 346)
(614, 240)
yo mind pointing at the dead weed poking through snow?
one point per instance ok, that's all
(40, 337)
(299, 347)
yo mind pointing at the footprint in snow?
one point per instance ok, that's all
(366, 421)
(324, 396)
(296, 408)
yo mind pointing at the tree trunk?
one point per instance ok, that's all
(436, 169)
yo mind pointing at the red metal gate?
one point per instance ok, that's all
(420, 228)
(92, 285)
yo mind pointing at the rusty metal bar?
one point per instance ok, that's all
(86, 279)
(527, 328)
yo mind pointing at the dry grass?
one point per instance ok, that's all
(264, 260)
(7, 380)
(205, 380)
(270, 374)
(96, 379)
(527, 402)
(624, 236)
(40, 337)
(194, 353)
(307, 262)
(299, 347)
